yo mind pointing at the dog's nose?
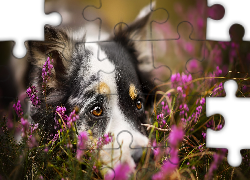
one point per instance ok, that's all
(136, 154)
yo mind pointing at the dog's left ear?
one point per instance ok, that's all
(134, 37)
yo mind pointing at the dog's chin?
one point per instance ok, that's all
(117, 160)
(111, 157)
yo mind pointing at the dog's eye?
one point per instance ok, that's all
(138, 104)
(96, 111)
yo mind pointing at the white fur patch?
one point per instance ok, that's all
(118, 122)
(99, 61)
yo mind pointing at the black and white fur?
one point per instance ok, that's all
(78, 75)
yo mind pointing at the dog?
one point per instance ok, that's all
(110, 102)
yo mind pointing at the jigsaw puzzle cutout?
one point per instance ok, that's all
(218, 30)
(230, 107)
(30, 27)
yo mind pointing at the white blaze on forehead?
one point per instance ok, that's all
(104, 69)
(99, 60)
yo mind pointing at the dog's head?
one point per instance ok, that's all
(108, 102)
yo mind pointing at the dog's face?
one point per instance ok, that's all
(110, 93)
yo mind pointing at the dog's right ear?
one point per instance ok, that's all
(57, 45)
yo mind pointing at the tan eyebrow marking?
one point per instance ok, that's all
(103, 88)
(132, 91)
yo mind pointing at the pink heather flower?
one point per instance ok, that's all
(160, 116)
(56, 136)
(18, 109)
(81, 146)
(165, 108)
(244, 88)
(224, 45)
(175, 136)
(218, 71)
(46, 149)
(210, 124)
(25, 126)
(32, 93)
(72, 118)
(61, 111)
(32, 142)
(156, 151)
(170, 165)
(184, 109)
(180, 80)
(193, 66)
(121, 172)
(46, 71)
(104, 140)
(33, 128)
(198, 111)
(218, 157)
(202, 101)
(218, 90)
(189, 47)
(186, 79)
(175, 79)
(94, 168)
(179, 89)
(219, 127)
(200, 22)
(204, 134)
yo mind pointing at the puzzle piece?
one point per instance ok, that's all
(229, 107)
(29, 22)
(219, 29)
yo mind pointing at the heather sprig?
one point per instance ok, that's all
(81, 146)
(170, 165)
(218, 157)
(121, 172)
(72, 118)
(60, 110)
(32, 93)
(46, 72)
(104, 140)
(181, 80)
(17, 107)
